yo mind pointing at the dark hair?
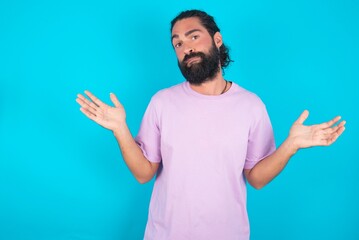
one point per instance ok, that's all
(208, 22)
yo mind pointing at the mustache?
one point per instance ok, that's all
(194, 54)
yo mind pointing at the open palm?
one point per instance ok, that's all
(323, 134)
(103, 114)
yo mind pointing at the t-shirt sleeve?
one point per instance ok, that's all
(261, 141)
(148, 137)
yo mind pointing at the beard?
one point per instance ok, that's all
(204, 70)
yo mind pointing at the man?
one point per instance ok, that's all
(203, 138)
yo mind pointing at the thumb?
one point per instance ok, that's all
(115, 100)
(302, 117)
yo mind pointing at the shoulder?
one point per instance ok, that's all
(251, 104)
(249, 97)
(163, 97)
(256, 110)
(165, 94)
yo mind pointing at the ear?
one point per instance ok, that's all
(217, 37)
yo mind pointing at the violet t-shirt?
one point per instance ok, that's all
(203, 143)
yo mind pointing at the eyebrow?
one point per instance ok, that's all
(186, 34)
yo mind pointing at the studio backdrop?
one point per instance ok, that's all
(62, 176)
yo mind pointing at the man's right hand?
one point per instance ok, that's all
(108, 117)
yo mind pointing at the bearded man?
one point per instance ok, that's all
(203, 139)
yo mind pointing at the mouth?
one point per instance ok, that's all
(192, 60)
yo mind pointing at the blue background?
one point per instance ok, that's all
(62, 176)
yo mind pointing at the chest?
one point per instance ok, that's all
(206, 126)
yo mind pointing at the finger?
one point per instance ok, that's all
(329, 131)
(86, 103)
(342, 123)
(115, 100)
(340, 131)
(88, 114)
(81, 96)
(87, 107)
(330, 123)
(94, 99)
(332, 138)
(302, 117)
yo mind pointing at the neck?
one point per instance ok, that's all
(214, 86)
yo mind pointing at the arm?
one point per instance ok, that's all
(141, 168)
(300, 136)
(114, 119)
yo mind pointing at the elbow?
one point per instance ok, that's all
(256, 182)
(144, 179)
(258, 186)
(147, 175)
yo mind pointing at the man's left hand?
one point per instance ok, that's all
(323, 134)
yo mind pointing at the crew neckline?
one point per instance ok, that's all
(188, 89)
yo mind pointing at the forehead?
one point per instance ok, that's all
(187, 24)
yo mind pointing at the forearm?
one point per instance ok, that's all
(138, 164)
(268, 168)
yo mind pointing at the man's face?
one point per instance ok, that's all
(197, 52)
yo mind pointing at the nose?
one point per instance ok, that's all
(188, 50)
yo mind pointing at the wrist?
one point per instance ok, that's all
(122, 127)
(291, 145)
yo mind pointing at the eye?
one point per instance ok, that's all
(177, 45)
(194, 37)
